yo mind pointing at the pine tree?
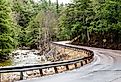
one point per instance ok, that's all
(7, 33)
(75, 20)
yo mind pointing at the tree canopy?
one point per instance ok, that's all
(97, 21)
(33, 24)
(7, 29)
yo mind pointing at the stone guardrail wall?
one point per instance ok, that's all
(61, 52)
(54, 67)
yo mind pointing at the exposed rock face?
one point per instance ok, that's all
(60, 53)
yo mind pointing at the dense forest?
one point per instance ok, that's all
(26, 23)
(98, 22)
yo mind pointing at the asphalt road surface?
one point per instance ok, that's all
(106, 67)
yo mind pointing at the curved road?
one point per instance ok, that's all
(106, 67)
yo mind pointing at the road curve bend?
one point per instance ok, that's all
(106, 67)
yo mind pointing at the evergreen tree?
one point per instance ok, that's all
(75, 20)
(7, 29)
(97, 21)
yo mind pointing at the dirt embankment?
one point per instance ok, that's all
(107, 41)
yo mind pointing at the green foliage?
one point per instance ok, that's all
(34, 31)
(7, 29)
(42, 28)
(94, 20)
(108, 19)
(75, 19)
(24, 11)
(29, 16)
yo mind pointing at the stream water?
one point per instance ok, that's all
(24, 57)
